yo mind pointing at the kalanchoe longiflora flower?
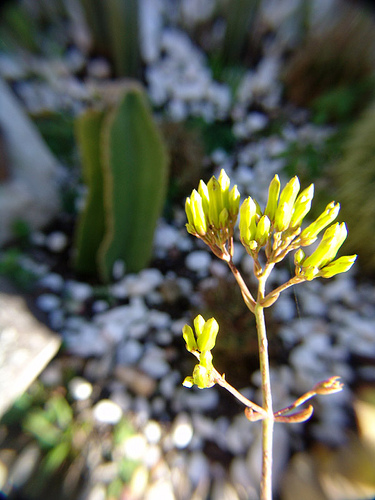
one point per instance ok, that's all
(212, 210)
(284, 210)
(200, 343)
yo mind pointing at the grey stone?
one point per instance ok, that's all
(26, 347)
(31, 193)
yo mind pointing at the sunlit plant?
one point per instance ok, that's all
(268, 237)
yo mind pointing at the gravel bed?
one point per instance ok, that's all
(124, 341)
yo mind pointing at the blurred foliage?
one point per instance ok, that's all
(338, 59)
(13, 267)
(354, 179)
(218, 135)
(341, 104)
(346, 472)
(186, 154)
(239, 44)
(38, 26)
(64, 433)
(115, 33)
(57, 130)
(17, 28)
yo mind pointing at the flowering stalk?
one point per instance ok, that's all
(212, 213)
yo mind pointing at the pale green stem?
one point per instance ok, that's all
(248, 298)
(267, 422)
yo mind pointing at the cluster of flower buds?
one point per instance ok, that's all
(322, 262)
(212, 211)
(200, 342)
(212, 214)
(284, 213)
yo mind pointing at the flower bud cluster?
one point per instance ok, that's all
(200, 343)
(212, 210)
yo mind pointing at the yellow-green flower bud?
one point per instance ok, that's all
(340, 265)
(282, 217)
(262, 231)
(273, 197)
(215, 205)
(327, 249)
(330, 213)
(224, 183)
(206, 340)
(203, 191)
(284, 210)
(188, 334)
(188, 382)
(199, 216)
(302, 206)
(198, 325)
(248, 218)
(234, 203)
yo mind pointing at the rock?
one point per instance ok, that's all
(199, 261)
(47, 302)
(31, 194)
(80, 389)
(26, 346)
(182, 431)
(56, 241)
(153, 363)
(152, 431)
(136, 381)
(107, 412)
(129, 352)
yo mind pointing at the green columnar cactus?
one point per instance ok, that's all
(91, 225)
(268, 237)
(132, 165)
(114, 27)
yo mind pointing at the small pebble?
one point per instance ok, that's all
(182, 432)
(107, 412)
(198, 261)
(48, 302)
(56, 241)
(80, 389)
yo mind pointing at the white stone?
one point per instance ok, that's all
(198, 467)
(129, 352)
(78, 291)
(100, 306)
(154, 364)
(48, 302)
(162, 489)
(53, 281)
(80, 388)
(31, 193)
(182, 432)
(152, 432)
(135, 447)
(198, 261)
(159, 319)
(56, 241)
(107, 412)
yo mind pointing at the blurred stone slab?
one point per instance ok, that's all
(31, 192)
(26, 347)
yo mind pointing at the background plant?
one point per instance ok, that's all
(354, 177)
(268, 236)
(125, 166)
(115, 33)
